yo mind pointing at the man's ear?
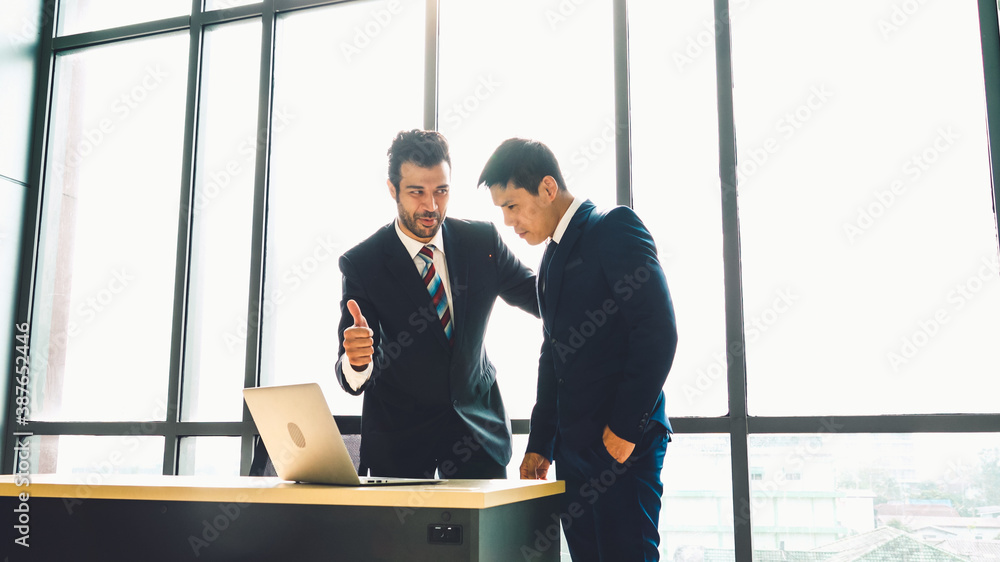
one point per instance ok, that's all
(392, 190)
(548, 188)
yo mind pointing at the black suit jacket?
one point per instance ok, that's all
(418, 379)
(609, 330)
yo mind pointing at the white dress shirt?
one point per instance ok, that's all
(564, 221)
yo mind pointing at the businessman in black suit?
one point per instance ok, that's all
(417, 298)
(609, 341)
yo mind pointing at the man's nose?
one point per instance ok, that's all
(428, 202)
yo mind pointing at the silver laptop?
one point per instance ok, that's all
(303, 440)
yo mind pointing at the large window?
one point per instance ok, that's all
(675, 187)
(105, 284)
(869, 238)
(222, 213)
(818, 180)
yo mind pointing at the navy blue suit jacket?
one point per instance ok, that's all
(418, 379)
(609, 334)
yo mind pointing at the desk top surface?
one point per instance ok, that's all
(471, 494)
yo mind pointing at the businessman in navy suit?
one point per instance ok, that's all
(417, 298)
(609, 340)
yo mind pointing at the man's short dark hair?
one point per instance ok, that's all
(423, 148)
(524, 162)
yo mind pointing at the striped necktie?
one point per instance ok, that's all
(436, 289)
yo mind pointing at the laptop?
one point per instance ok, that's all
(303, 439)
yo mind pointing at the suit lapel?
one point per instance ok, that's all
(553, 284)
(458, 278)
(538, 285)
(403, 269)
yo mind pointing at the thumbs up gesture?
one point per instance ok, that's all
(358, 343)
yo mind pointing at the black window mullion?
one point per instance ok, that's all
(432, 50)
(990, 37)
(623, 136)
(255, 305)
(131, 31)
(844, 425)
(184, 236)
(147, 28)
(32, 220)
(226, 15)
(733, 280)
(138, 428)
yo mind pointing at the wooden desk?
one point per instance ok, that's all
(175, 518)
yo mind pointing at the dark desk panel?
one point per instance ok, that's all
(184, 518)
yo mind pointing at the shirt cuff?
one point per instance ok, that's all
(355, 378)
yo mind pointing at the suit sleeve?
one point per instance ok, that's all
(632, 268)
(353, 289)
(516, 281)
(544, 420)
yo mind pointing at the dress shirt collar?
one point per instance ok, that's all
(564, 221)
(413, 246)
